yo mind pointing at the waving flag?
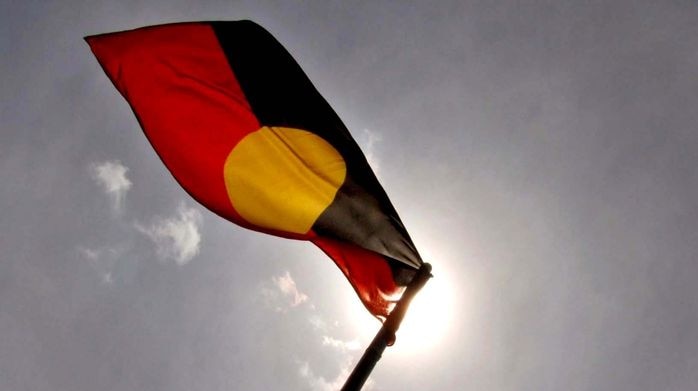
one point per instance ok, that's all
(242, 129)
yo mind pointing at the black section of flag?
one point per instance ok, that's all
(280, 94)
(355, 217)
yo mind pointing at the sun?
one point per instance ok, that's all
(428, 322)
(430, 316)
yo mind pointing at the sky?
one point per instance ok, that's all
(542, 156)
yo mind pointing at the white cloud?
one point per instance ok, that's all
(319, 383)
(317, 322)
(178, 237)
(89, 253)
(102, 261)
(288, 287)
(282, 293)
(339, 344)
(111, 176)
(368, 141)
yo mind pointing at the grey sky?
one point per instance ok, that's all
(542, 155)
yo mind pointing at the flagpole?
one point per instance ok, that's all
(386, 334)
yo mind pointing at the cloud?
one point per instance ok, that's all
(282, 293)
(319, 383)
(89, 253)
(176, 238)
(111, 176)
(317, 322)
(339, 344)
(102, 261)
(368, 140)
(288, 287)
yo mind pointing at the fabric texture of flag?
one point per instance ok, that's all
(243, 130)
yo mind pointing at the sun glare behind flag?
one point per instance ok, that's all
(243, 130)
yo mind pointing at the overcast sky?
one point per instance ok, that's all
(542, 155)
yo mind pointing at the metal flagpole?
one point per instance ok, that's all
(386, 334)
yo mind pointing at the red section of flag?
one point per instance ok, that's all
(187, 100)
(368, 272)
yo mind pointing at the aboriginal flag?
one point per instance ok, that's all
(243, 130)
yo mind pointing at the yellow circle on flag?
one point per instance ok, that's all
(283, 178)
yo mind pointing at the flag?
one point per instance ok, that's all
(243, 130)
